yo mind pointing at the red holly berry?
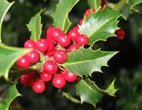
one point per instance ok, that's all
(42, 45)
(46, 77)
(38, 86)
(58, 81)
(49, 30)
(55, 34)
(50, 67)
(64, 40)
(73, 47)
(70, 77)
(82, 40)
(29, 44)
(49, 54)
(120, 34)
(81, 21)
(23, 62)
(88, 11)
(60, 56)
(33, 56)
(28, 79)
(76, 28)
(73, 34)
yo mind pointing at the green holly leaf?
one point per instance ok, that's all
(95, 4)
(8, 56)
(35, 26)
(89, 92)
(111, 89)
(133, 3)
(100, 25)
(7, 96)
(4, 6)
(60, 16)
(86, 61)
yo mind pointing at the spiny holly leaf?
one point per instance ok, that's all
(89, 92)
(8, 56)
(86, 61)
(100, 25)
(111, 89)
(8, 95)
(35, 26)
(95, 4)
(60, 16)
(133, 3)
(4, 6)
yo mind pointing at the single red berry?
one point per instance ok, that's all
(88, 11)
(42, 45)
(70, 77)
(33, 56)
(29, 44)
(73, 34)
(46, 77)
(120, 34)
(60, 56)
(76, 28)
(64, 40)
(50, 45)
(55, 34)
(28, 79)
(58, 81)
(49, 30)
(82, 40)
(38, 86)
(49, 54)
(50, 67)
(73, 47)
(81, 21)
(23, 62)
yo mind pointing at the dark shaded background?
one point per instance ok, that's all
(126, 66)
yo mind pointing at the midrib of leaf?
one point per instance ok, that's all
(90, 60)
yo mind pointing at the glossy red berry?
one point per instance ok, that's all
(28, 79)
(38, 86)
(42, 45)
(50, 45)
(70, 77)
(46, 77)
(50, 67)
(60, 56)
(50, 54)
(120, 34)
(33, 56)
(23, 62)
(81, 21)
(29, 44)
(76, 28)
(82, 40)
(58, 81)
(49, 30)
(88, 11)
(73, 34)
(55, 34)
(73, 47)
(64, 40)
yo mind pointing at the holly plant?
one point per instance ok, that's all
(65, 55)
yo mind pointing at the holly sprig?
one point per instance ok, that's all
(98, 26)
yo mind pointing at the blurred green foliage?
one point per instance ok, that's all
(126, 67)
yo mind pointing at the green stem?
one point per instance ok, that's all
(120, 5)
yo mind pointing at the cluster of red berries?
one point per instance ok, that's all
(55, 47)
